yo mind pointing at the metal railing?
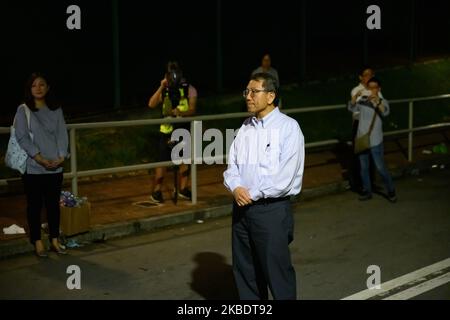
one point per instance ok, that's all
(195, 122)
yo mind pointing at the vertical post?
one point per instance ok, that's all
(410, 134)
(365, 37)
(194, 146)
(219, 57)
(412, 30)
(73, 161)
(303, 42)
(116, 59)
(365, 47)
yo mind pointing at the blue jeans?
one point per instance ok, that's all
(377, 153)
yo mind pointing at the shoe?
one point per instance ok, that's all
(185, 194)
(41, 254)
(58, 250)
(157, 197)
(392, 197)
(365, 197)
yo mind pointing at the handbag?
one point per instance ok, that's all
(16, 157)
(363, 143)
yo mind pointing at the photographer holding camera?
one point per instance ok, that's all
(372, 109)
(359, 92)
(178, 99)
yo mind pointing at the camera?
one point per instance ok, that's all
(174, 78)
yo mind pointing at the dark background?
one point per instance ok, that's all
(80, 62)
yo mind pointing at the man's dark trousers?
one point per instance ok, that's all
(261, 235)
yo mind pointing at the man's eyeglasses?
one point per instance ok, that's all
(252, 92)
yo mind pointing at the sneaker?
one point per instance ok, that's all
(185, 194)
(392, 197)
(157, 197)
(365, 197)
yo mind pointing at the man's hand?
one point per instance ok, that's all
(380, 106)
(164, 83)
(356, 96)
(242, 196)
(57, 163)
(359, 93)
(375, 99)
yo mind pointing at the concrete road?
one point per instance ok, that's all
(336, 239)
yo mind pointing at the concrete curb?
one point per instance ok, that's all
(13, 247)
(9, 248)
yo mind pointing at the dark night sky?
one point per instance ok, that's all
(80, 62)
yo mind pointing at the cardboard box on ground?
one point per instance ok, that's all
(75, 220)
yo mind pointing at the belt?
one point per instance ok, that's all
(271, 200)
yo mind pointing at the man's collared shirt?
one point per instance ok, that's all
(267, 157)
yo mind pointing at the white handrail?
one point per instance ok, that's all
(74, 174)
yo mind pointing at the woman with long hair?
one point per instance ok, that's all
(41, 131)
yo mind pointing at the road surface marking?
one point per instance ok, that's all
(400, 281)
(420, 288)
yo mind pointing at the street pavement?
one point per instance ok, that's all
(337, 238)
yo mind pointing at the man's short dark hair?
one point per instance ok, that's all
(376, 80)
(364, 68)
(268, 81)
